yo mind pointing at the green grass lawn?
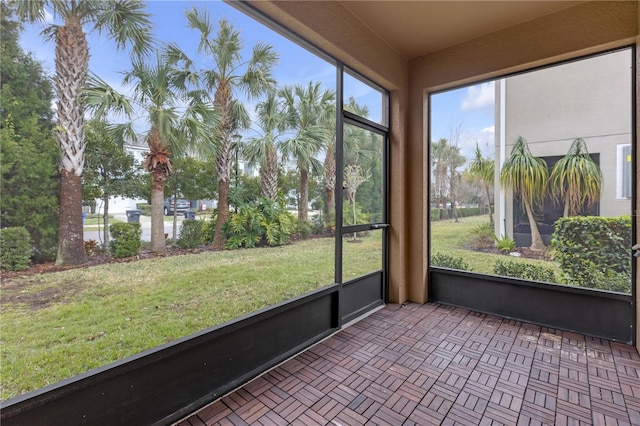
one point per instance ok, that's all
(60, 324)
(95, 222)
(456, 239)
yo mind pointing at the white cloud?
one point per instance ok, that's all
(479, 96)
(48, 17)
(490, 129)
(485, 141)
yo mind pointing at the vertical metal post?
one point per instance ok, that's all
(339, 171)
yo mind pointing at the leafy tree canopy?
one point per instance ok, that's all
(28, 153)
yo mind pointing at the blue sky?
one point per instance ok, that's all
(465, 116)
(466, 111)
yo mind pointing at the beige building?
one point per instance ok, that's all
(551, 107)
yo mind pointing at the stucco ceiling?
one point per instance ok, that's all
(416, 28)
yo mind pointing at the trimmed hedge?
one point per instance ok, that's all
(15, 248)
(593, 250)
(526, 271)
(145, 209)
(448, 261)
(438, 214)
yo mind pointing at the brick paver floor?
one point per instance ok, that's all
(437, 365)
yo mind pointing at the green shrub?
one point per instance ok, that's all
(505, 244)
(526, 271)
(190, 233)
(439, 213)
(484, 235)
(209, 227)
(448, 261)
(318, 224)
(468, 211)
(304, 229)
(591, 248)
(587, 274)
(15, 248)
(145, 209)
(266, 222)
(614, 281)
(126, 239)
(347, 214)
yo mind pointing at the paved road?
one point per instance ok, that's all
(145, 222)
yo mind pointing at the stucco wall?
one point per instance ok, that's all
(589, 99)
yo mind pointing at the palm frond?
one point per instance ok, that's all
(101, 98)
(576, 178)
(524, 173)
(30, 11)
(201, 21)
(127, 23)
(240, 115)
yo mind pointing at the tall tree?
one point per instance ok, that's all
(310, 108)
(228, 76)
(527, 176)
(28, 152)
(263, 150)
(354, 176)
(125, 22)
(109, 170)
(363, 149)
(576, 179)
(454, 161)
(330, 173)
(439, 152)
(483, 169)
(160, 91)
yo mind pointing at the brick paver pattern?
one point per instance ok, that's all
(432, 364)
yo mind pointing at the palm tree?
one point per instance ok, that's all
(310, 108)
(527, 176)
(454, 160)
(577, 179)
(439, 167)
(229, 74)
(357, 143)
(273, 120)
(483, 169)
(330, 172)
(330, 178)
(125, 22)
(160, 92)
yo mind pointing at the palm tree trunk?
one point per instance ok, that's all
(486, 187)
(304, 195)
(105, 222)
(222, 102)
(70, 233)
(536, 239)
(269, 174)
(72, 62)
(223, 213)
(223, 168)
(158, 243)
